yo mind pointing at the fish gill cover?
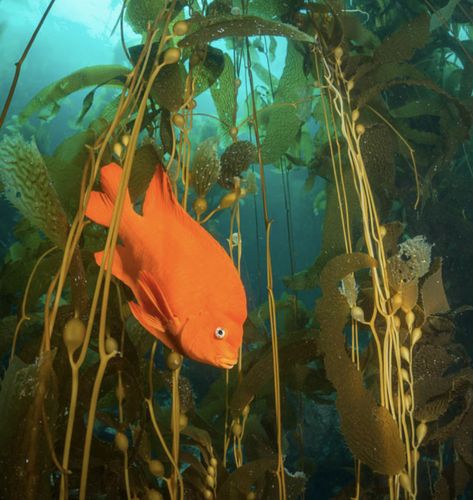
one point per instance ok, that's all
(317, 153)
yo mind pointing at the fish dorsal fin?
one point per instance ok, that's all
(159, 195)
(161, 204)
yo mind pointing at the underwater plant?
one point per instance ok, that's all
(149, 246)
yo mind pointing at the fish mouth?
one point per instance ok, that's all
(227, 363)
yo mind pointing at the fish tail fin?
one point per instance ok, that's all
(100, 206)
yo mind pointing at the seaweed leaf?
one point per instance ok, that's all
(401, 45)
(66, 167)
(144, 165)
(272, 9)
(86, 105)
(223, 94)
(369, 430)
(51, 95)
(28, 187)
(434, 299)
(286, 116)
(168, 88)
(441, 16)
(28, 400)
(139, 13)
(299, 350)
(242, 479)
(235, 26)
(208, 70)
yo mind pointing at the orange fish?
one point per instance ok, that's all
(188, 292)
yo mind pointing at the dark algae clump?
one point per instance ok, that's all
(235, 250)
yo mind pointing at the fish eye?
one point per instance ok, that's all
(219, 332)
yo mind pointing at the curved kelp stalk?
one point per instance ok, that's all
(108, 346)
(271, 302)
(20, 62)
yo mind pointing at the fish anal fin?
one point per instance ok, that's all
(153, 325)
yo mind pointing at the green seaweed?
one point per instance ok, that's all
(211, 64)
(207, 30)
(28, 187)
(284, 118)
(49, 98)
(223, 95)
(28, 405)
(295, 349)
(369, 429)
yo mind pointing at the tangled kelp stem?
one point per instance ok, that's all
(271, 302)
(24, 316)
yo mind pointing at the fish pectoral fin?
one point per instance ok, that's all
(156, 297)
(175, 326)
(153, 325)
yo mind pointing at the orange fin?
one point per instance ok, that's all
(122, 266)
(159, 195)
(155, 296)
(100, 206)
(161, 204)
(152, 325)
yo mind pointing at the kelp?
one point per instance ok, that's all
(284, 118)
(141, 13)
(207, 65)
(388, 69)
(66, 168)
(47, 100)
(442, 16)
(410, 100)
(401, 45)
(146, 160)
(234, 161)
(28, 187)
(434, 298)
(66, 165)
(292, 350)
(272, 9)
(244, 478)
(169, 87)
(210, 29)
(205, 166)
(379, 146)
(369, 429)
(28, 405)
(223, 95)
(332, 237)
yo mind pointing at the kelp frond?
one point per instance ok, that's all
(28, 187)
